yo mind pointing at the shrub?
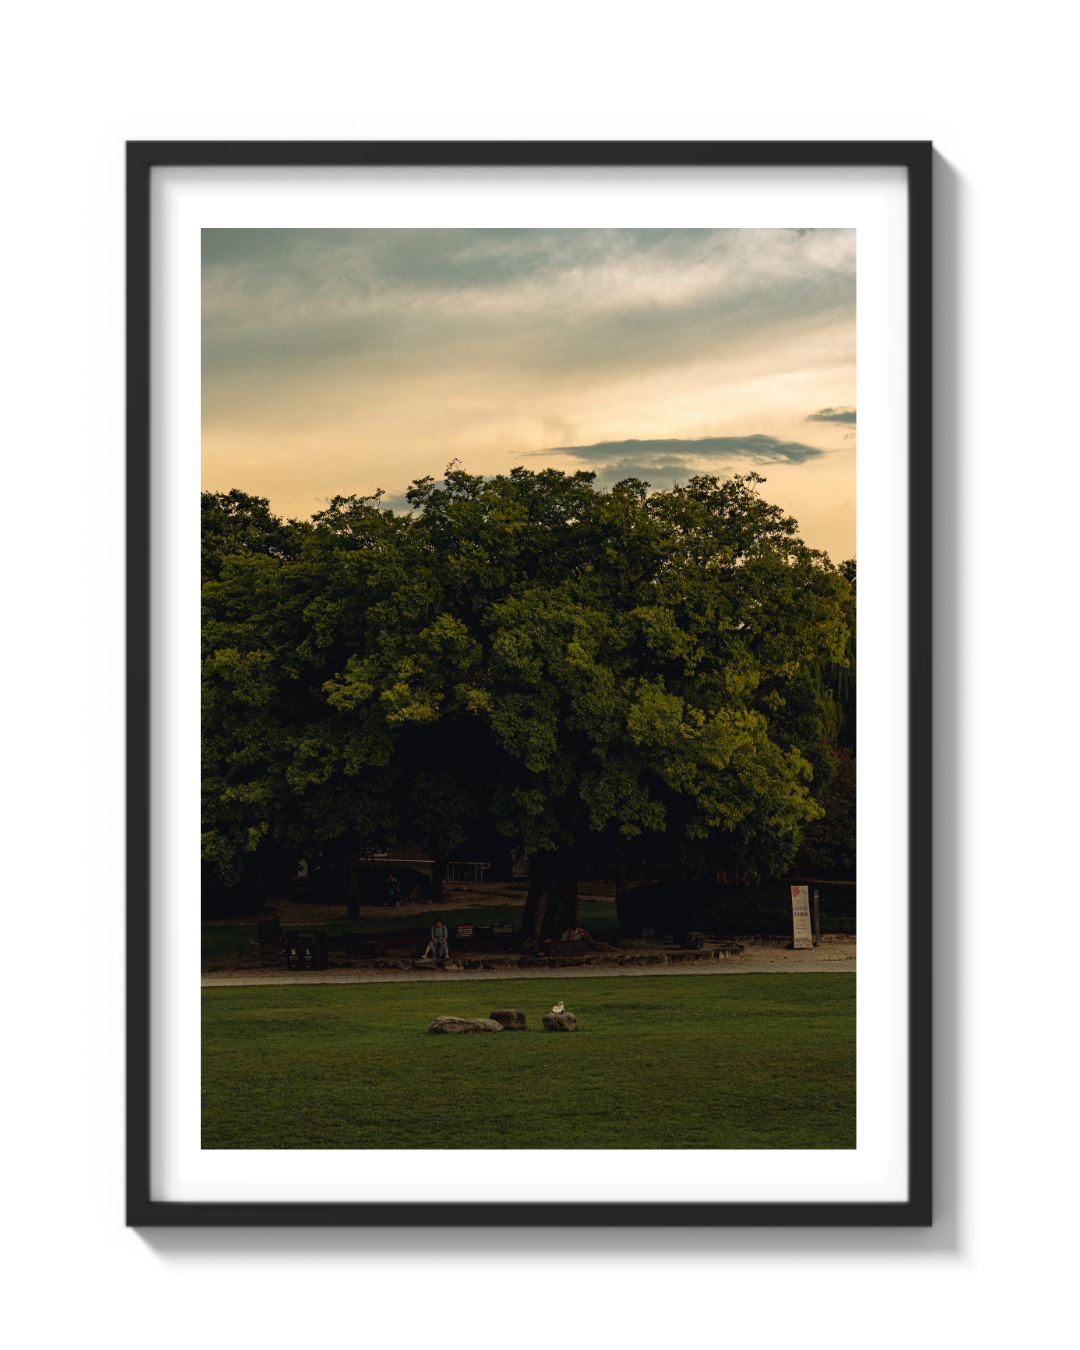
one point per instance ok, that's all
(678, 907)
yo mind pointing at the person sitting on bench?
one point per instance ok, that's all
(437, 947)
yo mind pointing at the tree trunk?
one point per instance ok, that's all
(352, 912)
(438, 873)
(552, 904)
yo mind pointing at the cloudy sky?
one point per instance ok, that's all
(350, 360)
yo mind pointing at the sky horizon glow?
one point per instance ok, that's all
(345, 361)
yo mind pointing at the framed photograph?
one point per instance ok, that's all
(496, 537)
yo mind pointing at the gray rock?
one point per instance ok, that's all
(563, 1021)
(452, 1025)
(510, 1019)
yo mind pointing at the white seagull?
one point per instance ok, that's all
(558, 1006)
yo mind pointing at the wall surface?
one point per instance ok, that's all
(988, 84)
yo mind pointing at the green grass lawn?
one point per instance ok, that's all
(235, 939)
(736, 1061)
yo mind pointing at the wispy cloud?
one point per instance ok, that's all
(671, 458)
(581, 301)
(833, 415)
(665, 459)
(759, 449)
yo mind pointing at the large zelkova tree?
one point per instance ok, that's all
(591, 671)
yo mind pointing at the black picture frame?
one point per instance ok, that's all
(142, 158)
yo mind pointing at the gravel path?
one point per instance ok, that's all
(836, 967)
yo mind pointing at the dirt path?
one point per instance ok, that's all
(776, 966)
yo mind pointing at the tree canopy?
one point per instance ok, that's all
(584, 671)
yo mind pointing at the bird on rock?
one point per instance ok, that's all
(558, 1006)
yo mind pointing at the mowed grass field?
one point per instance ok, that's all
(696, 1061)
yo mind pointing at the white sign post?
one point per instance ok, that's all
(800, 912)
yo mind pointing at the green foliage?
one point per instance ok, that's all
(590, 670)
(828, 847)
(741, 1061)
(836, 679)
(679, 907)
(234, 522)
